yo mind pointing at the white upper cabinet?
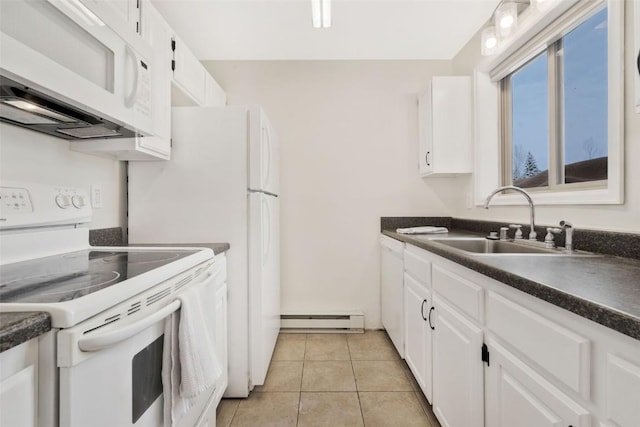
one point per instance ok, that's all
(445, 127)
(157, 33)
(192, 83)
(129, 11)
(189, 76)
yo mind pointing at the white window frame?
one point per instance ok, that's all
(539, 30)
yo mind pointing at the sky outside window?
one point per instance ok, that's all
(529, 120)
(584, 56)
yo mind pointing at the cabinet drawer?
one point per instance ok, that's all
(417, 264)
(559, 351)
(464, 294)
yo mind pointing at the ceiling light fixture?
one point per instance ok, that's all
(506, 18)
(489, 40)
(321, 13)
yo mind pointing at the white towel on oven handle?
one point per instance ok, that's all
(190, 365)
(199, 364)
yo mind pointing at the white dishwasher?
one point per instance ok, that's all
(391, 290)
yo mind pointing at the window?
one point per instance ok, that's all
(555, 112)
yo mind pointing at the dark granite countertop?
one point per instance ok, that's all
(16, 328)
(604, 289)
(114, 237)
(217, 248)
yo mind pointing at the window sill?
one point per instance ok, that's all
(600, 196)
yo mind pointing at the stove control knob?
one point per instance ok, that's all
(63, 201)
(78, 201)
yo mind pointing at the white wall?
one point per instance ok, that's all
(608, 217)
(29, 156)
(348, 135)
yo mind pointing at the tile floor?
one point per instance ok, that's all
(332, 380)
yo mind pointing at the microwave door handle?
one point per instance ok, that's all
(130, 100)
(108, 339)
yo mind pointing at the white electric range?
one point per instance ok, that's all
(107, 304)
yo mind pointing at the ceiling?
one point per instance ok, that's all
(361, 29)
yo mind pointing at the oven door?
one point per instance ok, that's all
(117, 379)
(118, 386)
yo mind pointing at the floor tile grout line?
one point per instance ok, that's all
(353, 371)
(301, 380)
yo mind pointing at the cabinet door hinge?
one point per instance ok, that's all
(485, 354)
(173, 65)
(173, 44)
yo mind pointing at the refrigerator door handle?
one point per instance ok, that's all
(266, 156)
(266, 227)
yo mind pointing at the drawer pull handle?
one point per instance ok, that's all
(430, 325)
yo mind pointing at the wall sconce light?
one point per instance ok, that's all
(321, 13)
(503, 23)
(489, 40)
(506, 18)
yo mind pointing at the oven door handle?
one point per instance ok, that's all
(108, 339)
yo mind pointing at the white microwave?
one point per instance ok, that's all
(62, 52)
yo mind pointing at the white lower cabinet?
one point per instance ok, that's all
(516, 395)
(418, 342)
(458, 379)
(503, 358)
(391, 294)
(19, 385)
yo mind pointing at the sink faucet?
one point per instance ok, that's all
(532, 233)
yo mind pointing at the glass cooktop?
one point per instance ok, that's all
(76, 274)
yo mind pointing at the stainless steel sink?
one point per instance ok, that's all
(486, 246)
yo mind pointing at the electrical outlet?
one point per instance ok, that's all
(96, 196)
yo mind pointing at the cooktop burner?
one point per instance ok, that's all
(73, 275)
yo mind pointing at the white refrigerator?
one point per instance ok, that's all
(221, 185)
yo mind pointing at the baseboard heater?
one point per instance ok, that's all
(319, 323)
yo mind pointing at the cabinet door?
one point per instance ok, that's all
(519, 396)
(425, 126)
(158, 34)
(458, 379)
(622, 392)
(18, 385)
(189, 76)
(445, 126)
(391, 294)
(417, 302)
(128, 11)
